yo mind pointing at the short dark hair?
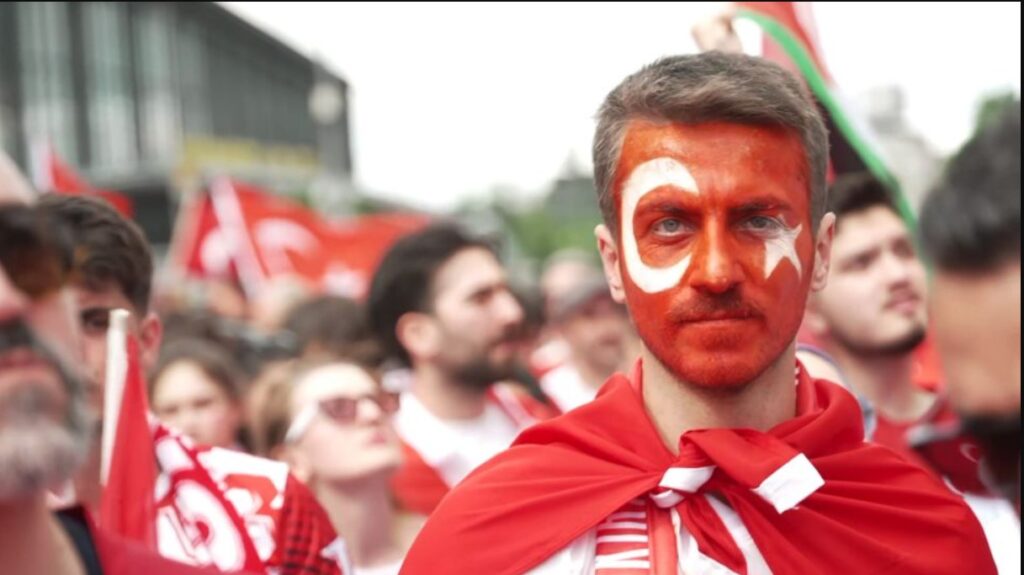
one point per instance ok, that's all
(212, 359)
(404, 281)
(853, 193)
(109, 249)
(971, 220)
(334, 326)
(708, 87)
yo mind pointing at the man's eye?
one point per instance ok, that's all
(763, 224)
(95, 322)
(669, 227)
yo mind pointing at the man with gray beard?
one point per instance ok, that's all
(44, 423)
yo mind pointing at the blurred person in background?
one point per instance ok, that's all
(595, 328)
(970, 229)
(872, 315)
(269, 309)
(220, 297)
(331, 326)
(330, 420)
(250, 349)
(531, 330)
(563, 271)
(253, 506)
(45, 422)
(197, 389)
(871, 318)
(440, 304)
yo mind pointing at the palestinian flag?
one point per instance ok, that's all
(790, 39)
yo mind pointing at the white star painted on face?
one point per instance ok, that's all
(783, 246)
(643, 180)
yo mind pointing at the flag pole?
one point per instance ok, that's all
(228, 210)
(113, 391)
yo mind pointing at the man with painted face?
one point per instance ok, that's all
(718, 453)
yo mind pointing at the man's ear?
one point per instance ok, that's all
(823, 252)
(419, 335)
(151, 335)
(609, 251)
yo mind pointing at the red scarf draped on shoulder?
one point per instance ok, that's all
(813, 495)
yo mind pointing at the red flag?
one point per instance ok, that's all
(53, 175)
(791, 40)
(239, 230)
(128, 507)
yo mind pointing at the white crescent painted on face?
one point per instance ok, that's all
(644, 179)
(659, 172)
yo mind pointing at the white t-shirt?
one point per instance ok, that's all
(454, 447)
(566, 388)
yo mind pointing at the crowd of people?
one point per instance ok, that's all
(741, 378)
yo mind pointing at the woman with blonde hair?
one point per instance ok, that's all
(331, 421)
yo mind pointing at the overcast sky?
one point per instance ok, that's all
(452, 100)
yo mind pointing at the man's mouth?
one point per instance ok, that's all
(906, 303)
(717, 317)
(720, 318)
(22, 357)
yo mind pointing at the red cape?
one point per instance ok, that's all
(875, 512)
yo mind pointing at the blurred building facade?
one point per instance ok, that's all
(150, 98)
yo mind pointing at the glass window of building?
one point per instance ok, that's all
(192, 76)
(46, 90)
(158, 111)
(112, 142)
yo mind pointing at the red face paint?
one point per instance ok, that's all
(716, 245)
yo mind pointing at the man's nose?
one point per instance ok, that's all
(13, 303)
(715, 267)
(894, 269)
(508, 311)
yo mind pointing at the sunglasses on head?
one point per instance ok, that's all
(342, 410)
(35, 252)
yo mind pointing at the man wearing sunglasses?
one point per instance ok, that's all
(45, 421)
(251, 513)
(970, 228)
